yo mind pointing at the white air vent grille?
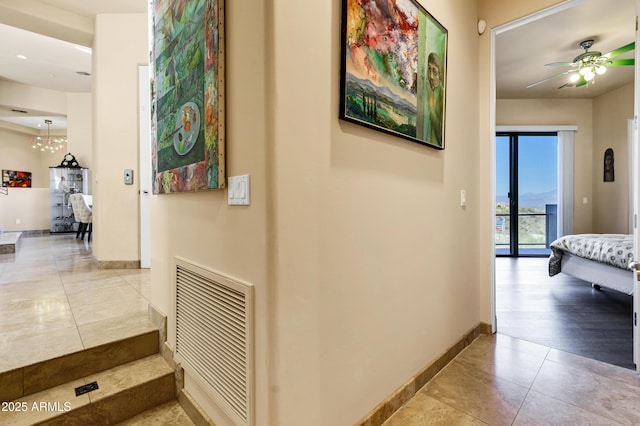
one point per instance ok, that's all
(214, 336)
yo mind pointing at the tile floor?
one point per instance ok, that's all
(501, 380)
(53, 301)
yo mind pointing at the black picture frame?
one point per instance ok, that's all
(393, 70)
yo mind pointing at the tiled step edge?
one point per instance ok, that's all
(47, 374)
(123, 392)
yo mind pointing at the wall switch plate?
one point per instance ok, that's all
(238, 190)
(128, 176)
(463, 198)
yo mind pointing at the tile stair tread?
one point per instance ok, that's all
(53, 402)
(45, 374)
(170, 414)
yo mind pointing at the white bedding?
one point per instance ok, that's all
(601, 259)
(610, 249)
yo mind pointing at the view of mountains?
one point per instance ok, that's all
(383, 93)
(532, 200)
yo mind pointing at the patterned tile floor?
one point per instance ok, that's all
(53, 301)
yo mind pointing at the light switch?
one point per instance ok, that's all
(128, 177)
(585, 200)
(463, 198)
(238, 190)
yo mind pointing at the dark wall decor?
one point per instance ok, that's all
(609, 171)
(394, 69)
(16, 179)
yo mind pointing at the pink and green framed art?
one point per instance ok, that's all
(394, 69)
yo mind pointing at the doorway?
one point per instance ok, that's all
(526, 193)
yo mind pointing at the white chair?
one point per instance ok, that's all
(82, 214)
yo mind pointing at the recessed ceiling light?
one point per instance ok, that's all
(21, 57)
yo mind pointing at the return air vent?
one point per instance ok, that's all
(214, 336)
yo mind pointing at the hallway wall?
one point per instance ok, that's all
(364, 261)
(120, 45)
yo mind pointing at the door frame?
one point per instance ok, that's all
(493, 127)
(144, 178)
(636, 164)
(636, 192)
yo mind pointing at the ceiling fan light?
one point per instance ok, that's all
(589, 76)
(585, 70)
(601, 70)
(574, 78)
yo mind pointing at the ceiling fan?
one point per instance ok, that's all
(588, 64)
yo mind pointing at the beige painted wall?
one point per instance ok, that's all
(79, 128)
(610, 113)
(33, 98)
(30, 205)
(120, 45)
(201, 227)
(370, 230)
(362, 258)
(576, 112)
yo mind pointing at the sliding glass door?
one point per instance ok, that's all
(526, 193)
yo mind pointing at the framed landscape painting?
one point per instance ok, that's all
(187, 86)
(394, 69)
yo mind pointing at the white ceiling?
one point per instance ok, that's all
(51, 63)
(42, 61)
(521, 53)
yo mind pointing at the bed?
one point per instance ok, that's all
(601, 259)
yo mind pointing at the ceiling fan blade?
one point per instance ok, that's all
(566, 85)
(550, 78)
(581, 82)
(619, 50)
(620, 62)
(561, 64)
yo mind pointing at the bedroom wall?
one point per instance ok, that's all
(578, 112)
(611, 199)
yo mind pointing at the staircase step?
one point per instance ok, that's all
(50, 373)
(170, 414)
(122, 392)
(9, 241)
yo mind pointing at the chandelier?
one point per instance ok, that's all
(49, 144)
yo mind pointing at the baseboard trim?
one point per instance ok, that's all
(116, 264)
(193, 410)
(383, 411)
